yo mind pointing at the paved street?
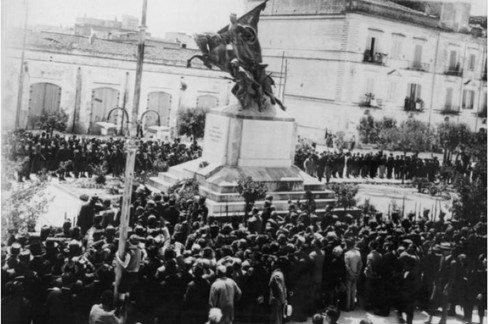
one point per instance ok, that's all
(419, 318)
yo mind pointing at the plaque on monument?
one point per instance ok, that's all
(215, 139)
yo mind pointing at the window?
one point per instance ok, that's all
(413, 91)
(372, 44)
(468, 99)
(396, 50)
(472, 62)
(417, 56)
(448, 98)
(452, 60)
(392, 89)
(370, 85)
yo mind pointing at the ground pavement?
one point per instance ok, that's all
(420, 317)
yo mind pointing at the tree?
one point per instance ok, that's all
(51, 121)
(345, 194)
(367, 130)
(451, 136)
(367, 208)
(471, 202)
(191, 122)
(370, 129)
(251, 191)
(22, 203)
(412, 135)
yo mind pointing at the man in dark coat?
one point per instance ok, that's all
(409, 285)
(85, 217)
(196, 297)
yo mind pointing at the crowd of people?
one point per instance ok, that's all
(79, 156)
(337, 164)
(370, 165)
(179, 263)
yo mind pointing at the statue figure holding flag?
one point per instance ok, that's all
(243, 60)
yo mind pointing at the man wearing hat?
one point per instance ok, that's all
(354, 266)
(277, 291)
(86, 215)
(443, 284)
(224, 293)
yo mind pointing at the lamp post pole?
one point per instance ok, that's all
(125, 214)
(20, 93)
(140, 61)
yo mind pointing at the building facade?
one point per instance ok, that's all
(88, 77)
(338, 60)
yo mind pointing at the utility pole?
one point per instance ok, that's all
(140, 60)
(125, 211)
(20, 93)
(124, 103)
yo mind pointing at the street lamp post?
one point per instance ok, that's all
(20, 93)
(140, 61)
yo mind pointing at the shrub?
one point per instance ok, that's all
(345, 194)
(51, 121)
(100, 172)
(251, 191)
(191, 123)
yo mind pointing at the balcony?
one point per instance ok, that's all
(454, 70)
(482, 113)
(369, 101)
(413, 105)
(374, 58)
(450, 110)
(418, 66)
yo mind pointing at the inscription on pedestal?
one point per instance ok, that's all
(215, 134)
(215, 139)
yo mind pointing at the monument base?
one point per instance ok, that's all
(249, 143)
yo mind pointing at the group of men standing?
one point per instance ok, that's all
(80, 156)
(370, 165)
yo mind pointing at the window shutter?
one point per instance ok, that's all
(448, 97)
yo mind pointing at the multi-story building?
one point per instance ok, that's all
(87, 77)
(125, 29)
(338, 60)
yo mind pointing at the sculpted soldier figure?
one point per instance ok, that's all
(243, 62)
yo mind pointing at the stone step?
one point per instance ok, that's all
(159, 184)
(241, 213)
(170, 177)
(238, 207)
(277, 195)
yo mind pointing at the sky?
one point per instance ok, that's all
(189, 16)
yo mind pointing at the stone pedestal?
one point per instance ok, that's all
(238, 142)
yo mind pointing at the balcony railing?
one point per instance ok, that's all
(418, 66)
(412, 104)
(371, 103)
(450, 110)
(454, 70)
(374, 58)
